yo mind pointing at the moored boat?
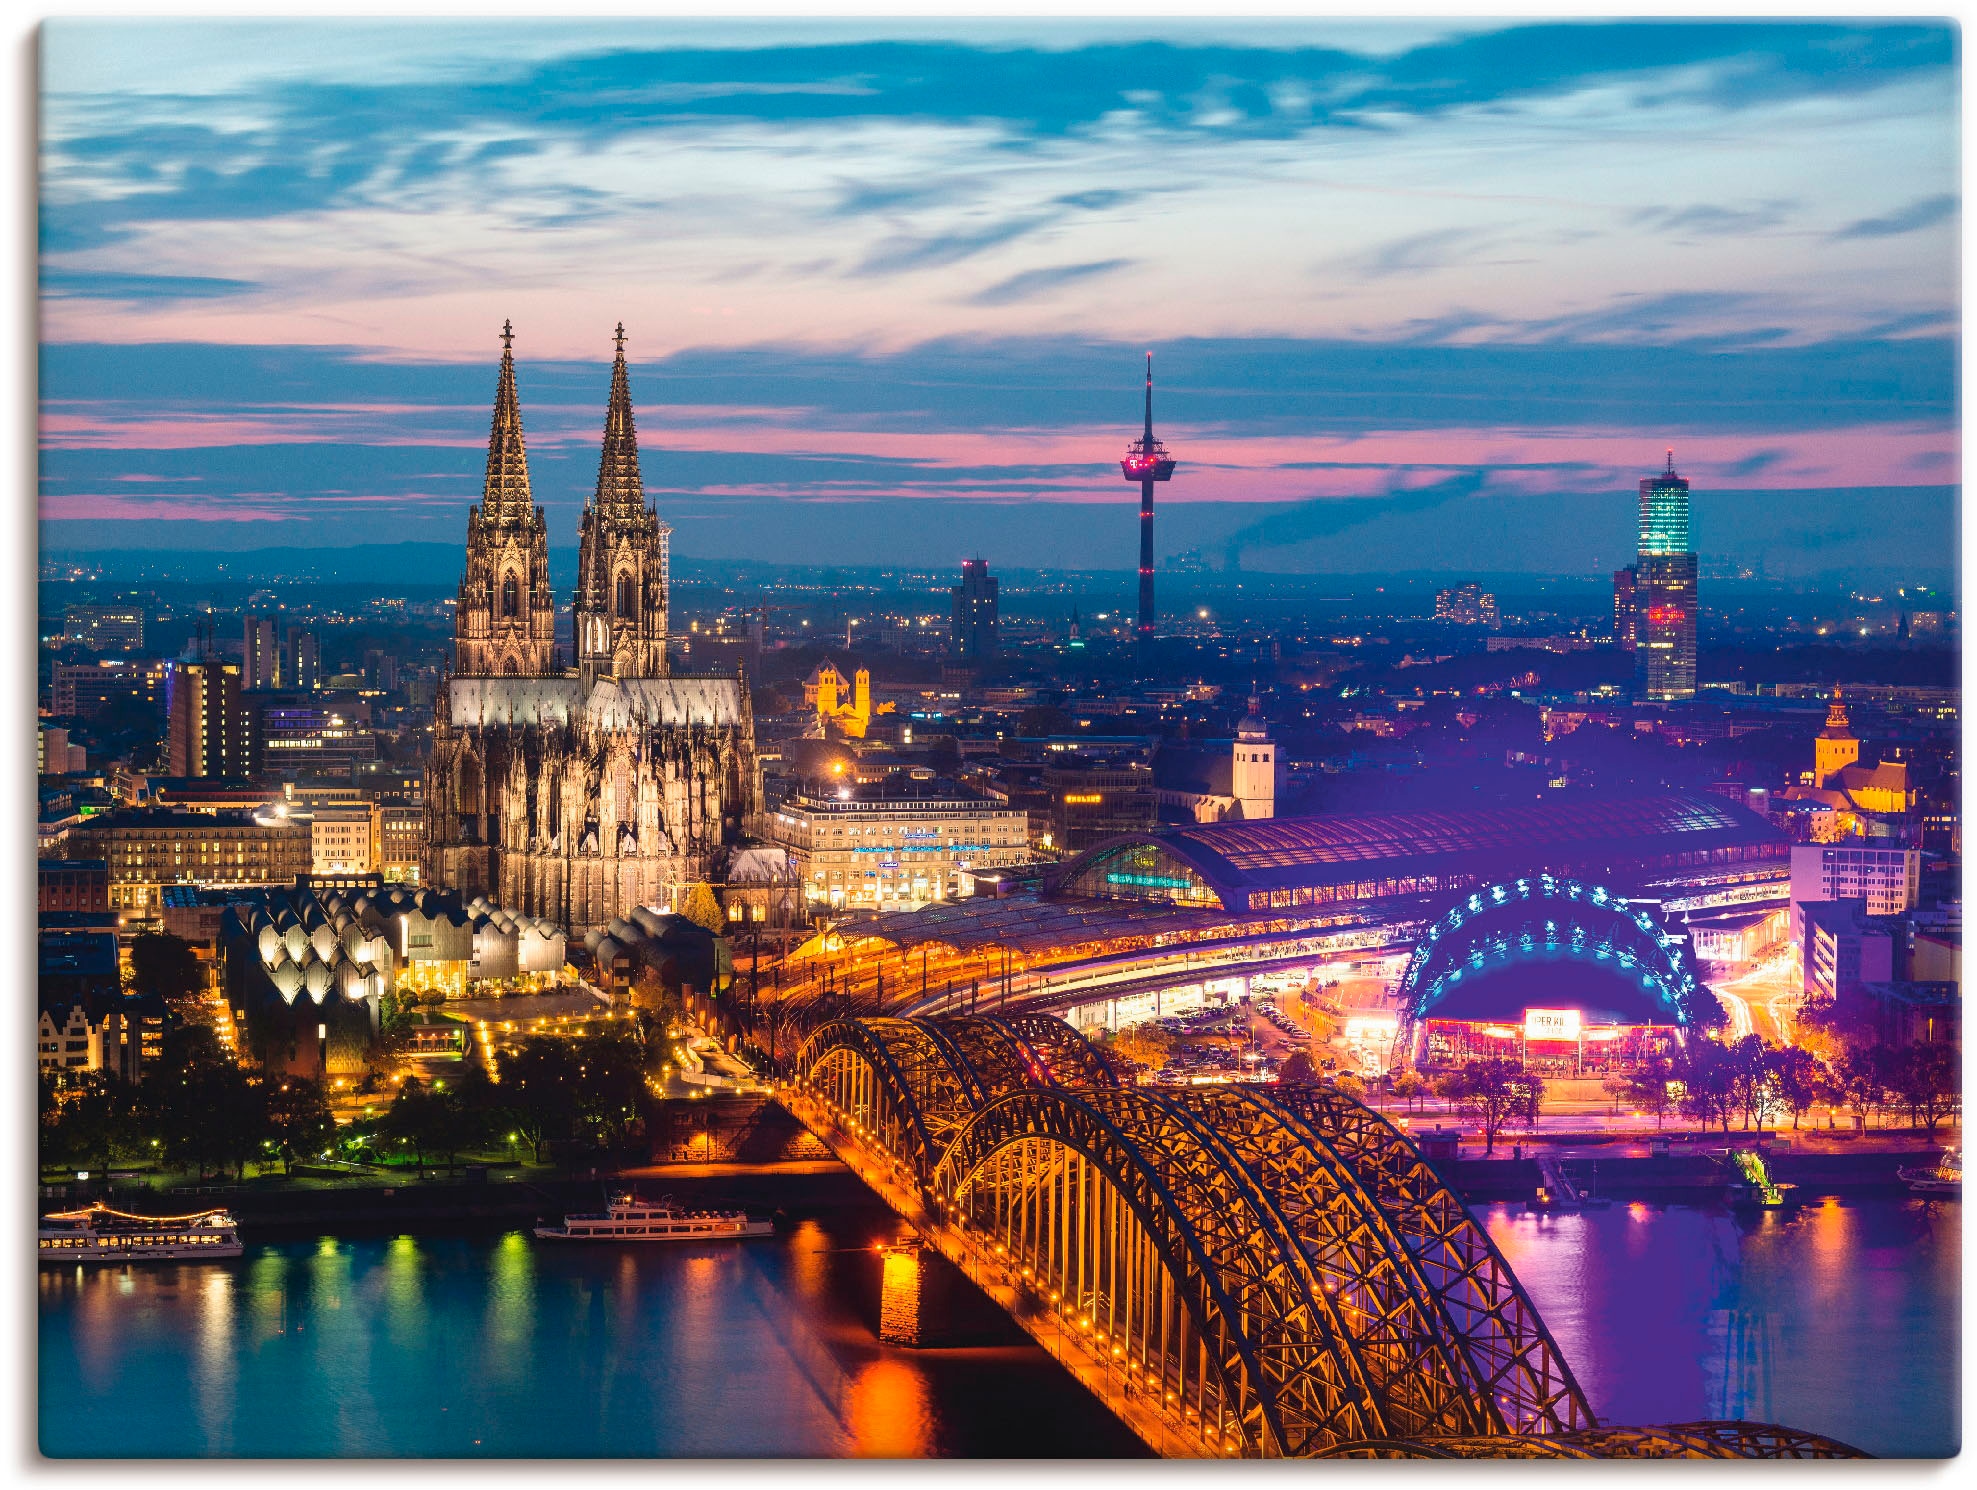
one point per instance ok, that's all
(96, 1233)
(629, 1219)
(1946, 1178)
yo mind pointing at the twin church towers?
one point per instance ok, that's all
(505, 625)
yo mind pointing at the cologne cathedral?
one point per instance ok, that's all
(577, 793)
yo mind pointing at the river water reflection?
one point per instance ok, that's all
(1842, 1320)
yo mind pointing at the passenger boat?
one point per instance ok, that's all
(97, 1233)
(629, 1219)
(1945, 1179)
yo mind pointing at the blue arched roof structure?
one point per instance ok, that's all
(1541, 933)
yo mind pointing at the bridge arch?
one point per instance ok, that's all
(1544, 923)
(893, 1085)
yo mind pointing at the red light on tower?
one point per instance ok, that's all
(1146, 461)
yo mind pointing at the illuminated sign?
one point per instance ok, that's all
(1551, 1024)
(1371, 1027)
(1150, 881)
(1085, 797)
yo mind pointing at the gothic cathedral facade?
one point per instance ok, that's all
(578, 793)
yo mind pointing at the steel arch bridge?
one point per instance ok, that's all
(1234, 1270)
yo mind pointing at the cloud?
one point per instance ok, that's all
(902, 252)
(1915, 216)
(1704, 220)
(1032, 283)
(1419, 253)
(80, 284)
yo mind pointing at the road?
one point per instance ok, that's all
(1764, 1001)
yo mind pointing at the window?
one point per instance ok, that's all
(627, 598)
(510, 596)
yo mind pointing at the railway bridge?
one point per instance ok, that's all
(1235, 1271)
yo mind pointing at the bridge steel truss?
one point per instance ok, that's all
(1235, 1270)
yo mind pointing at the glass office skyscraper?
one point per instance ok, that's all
(1665, 591)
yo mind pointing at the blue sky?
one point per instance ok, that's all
(891, 282)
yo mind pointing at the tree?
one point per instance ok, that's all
(1748, 1069)
(610, 1086)
(204, 1107)
(163, 964)
(1647, 1087)
(1857, 1081)
(1924, 1077)
(299, 1120)
(1496, 1090)
(1040, 720)
(1797, 1079)
(1149, 1044)
(1705, 1072)
(1408, 1085)
(703, 909)
(539, 1089)
(1351, 1086)
(98, 1123)
(1296, 1070)
(428, 1118)
(1618, 1085)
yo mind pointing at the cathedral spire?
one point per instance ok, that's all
(505, 495)
(620, 492)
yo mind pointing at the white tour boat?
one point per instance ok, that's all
(629, 1219)
(98, 1234)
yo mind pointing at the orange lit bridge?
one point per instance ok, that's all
(1234, 1271)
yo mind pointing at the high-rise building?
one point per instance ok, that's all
(1665, 590)
(87, 690)
(301, 663)
(1147, 461)
(207, 728)
(260, 657)
(974, 638)
(1624, 614)
(1466, 605)
(105, 628)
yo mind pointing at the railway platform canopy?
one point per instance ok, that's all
(1334, 859)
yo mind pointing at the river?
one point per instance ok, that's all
(1841, 1319)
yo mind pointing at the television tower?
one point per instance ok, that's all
(1147, 461)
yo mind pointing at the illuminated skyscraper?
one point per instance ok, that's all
(1147, 461)
(974, 637)
(1623, 608)
(1665, 591)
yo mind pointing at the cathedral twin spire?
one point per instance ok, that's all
(505, 622)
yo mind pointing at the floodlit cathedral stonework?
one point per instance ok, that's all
(578, 794)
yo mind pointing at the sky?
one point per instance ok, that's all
(1419, 294)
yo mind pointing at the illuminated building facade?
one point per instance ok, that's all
(894, 847)
(973, 638)
(578, 795)
(1466, 605)
(260, 653)
(845, 705)
(1624, 615)
(1837, 746)
(209, 731)
(1887, 879)
(345, 840)
(149, 848)
(1253, 774)
(105, 628)
(1665, 591)
(84, 690)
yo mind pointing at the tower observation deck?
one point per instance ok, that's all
(1147, 461)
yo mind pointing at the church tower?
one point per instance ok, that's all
(1837, 746)
(621, 562)
(505, 623)
(1253, 774)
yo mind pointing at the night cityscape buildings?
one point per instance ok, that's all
(1664, 590)
(1405, 989)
